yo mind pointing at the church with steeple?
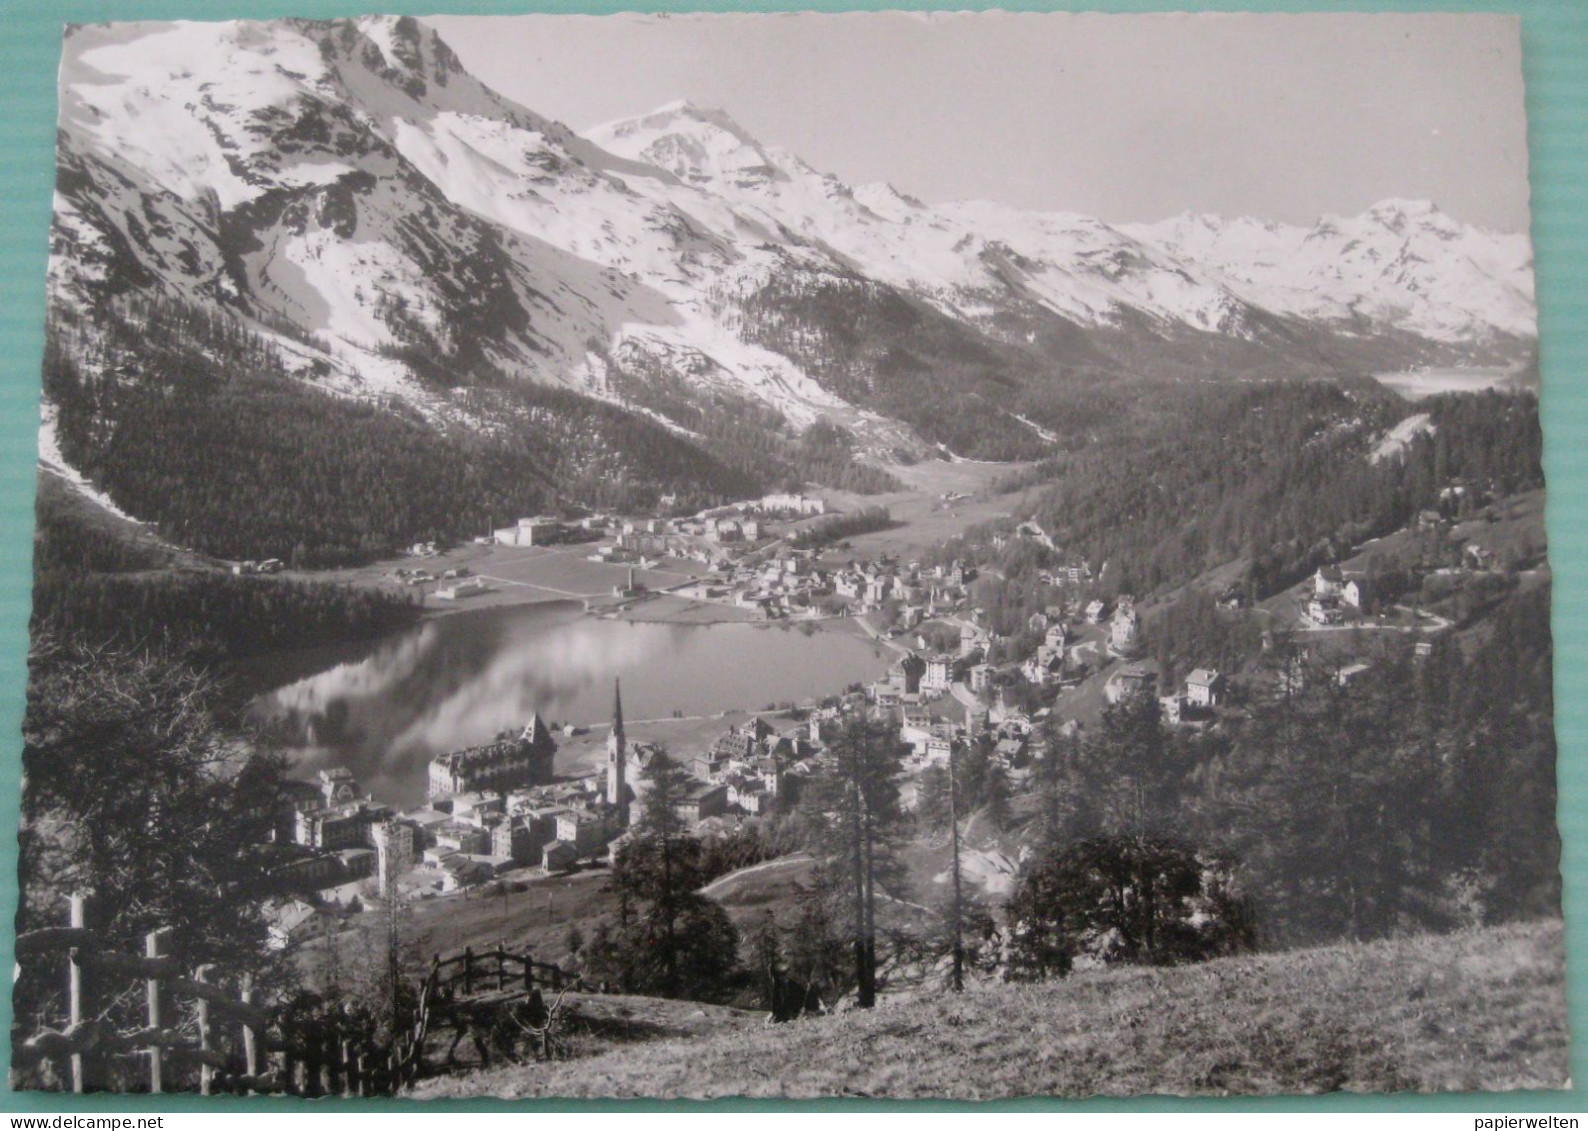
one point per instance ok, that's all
(618, 794)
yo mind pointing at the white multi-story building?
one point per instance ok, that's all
(394, 853)
(939, 674)
(1123, 630)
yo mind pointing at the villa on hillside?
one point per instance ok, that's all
(1204, 687)
(1130, 680)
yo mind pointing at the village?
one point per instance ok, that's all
(496, 812)
(744, 557)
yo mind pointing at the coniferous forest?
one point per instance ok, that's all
(1282, 476)
(101, 588)
(231, 455)
(1430, 782)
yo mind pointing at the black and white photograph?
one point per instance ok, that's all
(901, 555)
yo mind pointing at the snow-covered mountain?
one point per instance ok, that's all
(968, 258)
(348, 190)
(1401, 266)
(262, 167)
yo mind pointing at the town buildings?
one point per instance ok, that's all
(1124, 628)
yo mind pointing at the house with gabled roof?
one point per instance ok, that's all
(1204, 687)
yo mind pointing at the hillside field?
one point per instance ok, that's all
(1480, 1010)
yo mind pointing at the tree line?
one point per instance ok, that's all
(94, 587)
(836, 527)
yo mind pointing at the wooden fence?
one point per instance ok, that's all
(239, 1045)
(499, 970)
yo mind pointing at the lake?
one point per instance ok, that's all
(458, 680)
(1416, 384)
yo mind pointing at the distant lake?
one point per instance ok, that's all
(1416, 384)
(458, 680)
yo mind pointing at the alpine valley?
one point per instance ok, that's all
(333, 230)
(516, 611)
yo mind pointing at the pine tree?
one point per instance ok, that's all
(1128, 766)
(932, 799)
(1057, 758)
(672, 941)
(858, 822)
(816, 951)
(956, 880)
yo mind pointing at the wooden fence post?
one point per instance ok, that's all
(468, 970)
(501, 952)
(154, 946)
(75, 990)
(250, 1038)
(206, 1072)
(289, 1067)
(314, 1058)
(529, 972)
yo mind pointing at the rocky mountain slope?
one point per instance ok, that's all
(398, 233)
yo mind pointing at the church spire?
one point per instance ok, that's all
(617, 760)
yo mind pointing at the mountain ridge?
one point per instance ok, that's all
(400, 231)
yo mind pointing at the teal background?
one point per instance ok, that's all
(1555, 53)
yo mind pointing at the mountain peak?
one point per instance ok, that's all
(887, 200)
(408, 47)
(693, 143)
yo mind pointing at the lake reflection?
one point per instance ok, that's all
(459, 680)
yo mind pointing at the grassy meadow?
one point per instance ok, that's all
(1481, 1010)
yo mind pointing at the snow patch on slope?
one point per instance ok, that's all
(158, 100)
(992, 871)
(51, 460)
(1395, 441)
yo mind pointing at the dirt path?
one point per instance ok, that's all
(733, 877)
